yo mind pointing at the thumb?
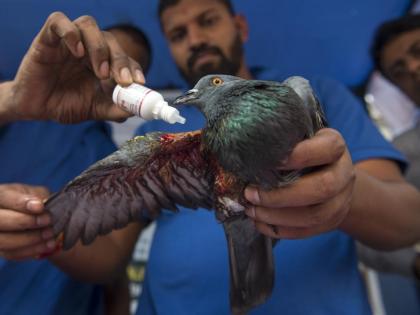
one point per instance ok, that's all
(23, 198)
(105, 108)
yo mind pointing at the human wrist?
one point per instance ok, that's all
(7, 113)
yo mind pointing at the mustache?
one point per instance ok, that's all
(197, 51)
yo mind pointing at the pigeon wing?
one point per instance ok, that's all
(149, 173)
(303, 88)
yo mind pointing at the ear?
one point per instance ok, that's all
(242, 26)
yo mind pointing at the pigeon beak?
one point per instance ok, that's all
(189, 96)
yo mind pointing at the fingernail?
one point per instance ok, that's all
(80, 49)
(126, 75)
(139, 76)
(43, 220)
(104, 69)
(250, 212)
(34, 205)
(252, 195)
(47, 234)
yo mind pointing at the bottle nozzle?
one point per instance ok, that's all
(180, 119)
(171, 115)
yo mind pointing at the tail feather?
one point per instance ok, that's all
(251, 264)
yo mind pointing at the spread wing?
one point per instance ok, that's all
(146, 175)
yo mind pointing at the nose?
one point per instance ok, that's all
(413, 65)
(196, 36)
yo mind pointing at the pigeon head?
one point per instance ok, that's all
(204, 94)
(254, 124)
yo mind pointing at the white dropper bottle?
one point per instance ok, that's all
(145, 103)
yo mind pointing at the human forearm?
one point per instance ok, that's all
(385, 210)
(6, 102)
(101, 261)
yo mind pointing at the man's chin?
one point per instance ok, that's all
(202, 71)
(206, 68)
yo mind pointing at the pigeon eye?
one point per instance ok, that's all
(217, 81)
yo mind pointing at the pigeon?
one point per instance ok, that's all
(251, 127)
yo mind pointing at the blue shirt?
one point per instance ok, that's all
(48, 154)
(188, 271)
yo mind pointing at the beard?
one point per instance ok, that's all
(226, 65)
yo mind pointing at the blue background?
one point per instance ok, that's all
(306, 37)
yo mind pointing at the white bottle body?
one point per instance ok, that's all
(145, 103)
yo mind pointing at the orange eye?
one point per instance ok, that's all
(217, 81)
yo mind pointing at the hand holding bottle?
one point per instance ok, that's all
(65, 74)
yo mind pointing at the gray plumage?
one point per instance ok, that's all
(252, 126)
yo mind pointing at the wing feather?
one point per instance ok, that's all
(148, 174)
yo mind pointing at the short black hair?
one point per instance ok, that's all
(164, 4)
(388, 32)
(140, 38)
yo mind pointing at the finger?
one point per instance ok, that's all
(105, 109)
(137, 72)
(16, 221)
(115, 113)
(108, 110)
(334, 210)
(325, 147)
(22, 197)
(13, 241)
(29, 252)
(95, 44)
(124, 69)
(59, 28)
(283, 232)
(312, 188)
(279, 232)
(39, 191)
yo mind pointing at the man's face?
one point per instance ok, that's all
(204, 38)
(401, 63)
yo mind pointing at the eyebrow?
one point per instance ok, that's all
(210, 10)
